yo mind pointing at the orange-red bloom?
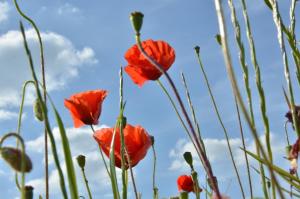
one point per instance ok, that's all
(85, 107)
(140, 69)
(137, 142)
(185, 183)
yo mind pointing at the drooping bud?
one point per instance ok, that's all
(197, 49)
(38, 111)
(14, 158)
(152, 139)
(81, 161)
(188, 158)
(218, 38)
(28, 192)
(137, 21)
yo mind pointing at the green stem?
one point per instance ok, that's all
(260, 91)
(231, 74)
(86, 183)
(244, 147)
(178, 115)
(20, 140)
(278, 23)
(44, 89)
(45, 114)
(155, 189)
(221, 122)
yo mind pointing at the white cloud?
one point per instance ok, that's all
(7, 115)
(4, 9)
(81, 142)
(219, 157)
(62, 61)
(68, 9)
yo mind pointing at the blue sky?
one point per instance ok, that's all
(85, 43)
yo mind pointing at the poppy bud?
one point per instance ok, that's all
(218, 38)
(188, 158)
(152, 139)
(28, 192)
(14, 158)
(137, 21)
(38, 111)
(81, 161)
(197, 49)
(123, 121)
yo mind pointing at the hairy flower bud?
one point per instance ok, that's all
(137, 21)
(38, 111)
(81, 161)
(14, 156)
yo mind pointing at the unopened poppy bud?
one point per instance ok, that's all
(152, 139)
(197, 49)
(14, 158)
(28, 192)
(38, 111)
(218, 38)
(188, 158)
(81, 161)
(137, 21)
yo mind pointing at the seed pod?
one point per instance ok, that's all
(14, 156)
(81, 161)
(38, 111)
(188, 158)
(137, 21)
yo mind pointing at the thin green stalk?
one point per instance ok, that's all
(123, 146)
(179, 116)
(20, 122)
(86, 182)
(202, 155)
(102, 156)
(278, 23)
(44, 89)
(260, 91)
(137, 195)
(244, 146)
(45, 115)
(154, 187)
(196, 123)
(221, 122)
(231, 74)
(20, 140)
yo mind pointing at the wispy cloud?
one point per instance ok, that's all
(68, 9)
(62, 58)
(4, 10)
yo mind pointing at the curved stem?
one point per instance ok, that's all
(155, 189)
(44, 90)
(20, 140)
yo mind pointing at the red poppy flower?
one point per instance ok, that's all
(85, 107)
(140, 69)
(185, 183)
(137, 142)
